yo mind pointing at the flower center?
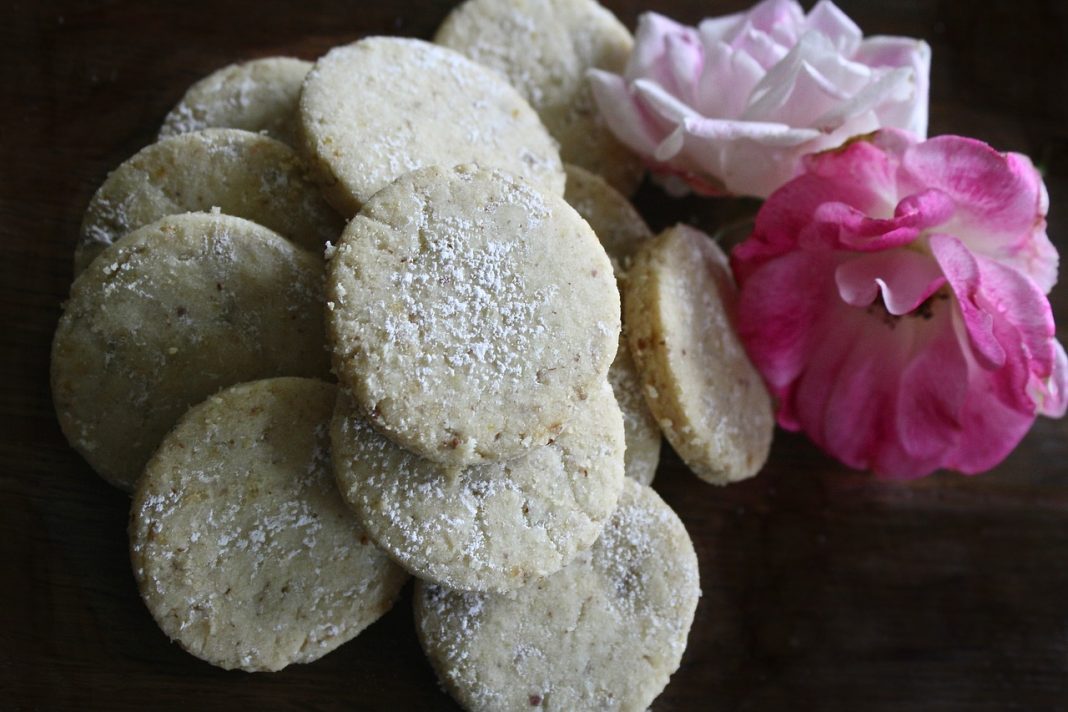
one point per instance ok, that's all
(925, 310)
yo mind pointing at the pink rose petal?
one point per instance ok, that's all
(904, 279)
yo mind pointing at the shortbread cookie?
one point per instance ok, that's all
(604, 633)
(622, 231)
(260, 95)
(545, 48)
(381, 107)
(490, 527)
(706, 395)
(170, 314)
(642, 432)
(469, 313)
(242, 548)
(618, 225)
(241, 173)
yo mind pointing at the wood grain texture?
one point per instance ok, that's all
(823, 589)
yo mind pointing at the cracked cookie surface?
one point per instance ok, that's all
(242, 548)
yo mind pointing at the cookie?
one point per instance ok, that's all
(259, 95)
(618, 225)
(170, 314)
(605, 632)
(381, 107)
(490, 527)
(469, 313)
(641, 430)
(241, 173)
(621, 231)
(697, 380)
(545, 48)
(242, 548)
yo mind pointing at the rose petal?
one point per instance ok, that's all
(904, 278)
(680, 70)
(934, 387)
(775, 331)
(997, 197)
(766, 132)
(838, 225)
(891, 87)
(724, 86)
(770, 15)
(862, 175)
(902, 52)
(650, 42)
(962, 273)
(763, 48)
(1013, 298)
(862, 397)
(835, 25)
(624, 116)
(722, 29)
(926, 209)
(1051, 394)
(990, 426)
(773, 91)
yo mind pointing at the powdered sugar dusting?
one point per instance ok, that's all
(259, 95)
(467, 310)
(169, 315)
(642, 430)
(245, 553)
(493, 526)
(605, 632)
(240, 173)
(545, 50)
(470, 313)
(382, 107)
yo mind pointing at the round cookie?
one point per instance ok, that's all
(709, 400)
(618, 225)
(605, 632)
(469, 313)
(259, 95)
(376, 109)
(545, 48)
(241, 173)
(242, 548)
(639, 425)
(622, 231)
(170, 314)
(491, 527)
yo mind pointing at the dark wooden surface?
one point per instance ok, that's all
(823, 589)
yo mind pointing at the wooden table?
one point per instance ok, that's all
(823, 589)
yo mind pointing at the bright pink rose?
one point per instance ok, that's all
(732, 105)
(893, 297)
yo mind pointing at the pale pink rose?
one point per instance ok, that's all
(893, 297)
(732, 105)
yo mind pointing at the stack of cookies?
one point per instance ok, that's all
(395, 217)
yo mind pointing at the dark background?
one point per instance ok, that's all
(823, 589)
